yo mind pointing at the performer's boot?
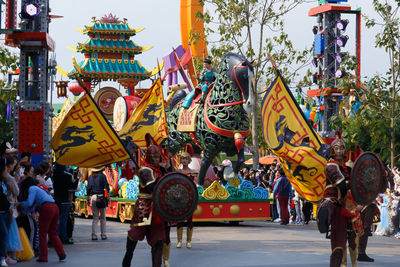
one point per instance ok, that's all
(179, 231)
(156, 253)
(353, 256)
(344, 259)
(189, 234)
(336, 257)
(362, 256)
(165, 254)
(130, 248)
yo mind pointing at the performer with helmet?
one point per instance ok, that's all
(337, 208)
(185, 160)
(146, 222)
(207, 77)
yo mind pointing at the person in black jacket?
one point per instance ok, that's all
(62, 183)
(97, 185)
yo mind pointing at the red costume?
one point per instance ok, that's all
(340, 208)
(146, 222)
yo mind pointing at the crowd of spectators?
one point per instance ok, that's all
(389, 204)
(286, 205)
(35, 204)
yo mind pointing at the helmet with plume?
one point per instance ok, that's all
(338, 141)
(187, 152)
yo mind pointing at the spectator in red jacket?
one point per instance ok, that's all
(283, 191)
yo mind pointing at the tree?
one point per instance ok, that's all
(8, 62)
(389, 39)
(242, 27)
(378, 117)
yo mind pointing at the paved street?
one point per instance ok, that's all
(252, 244)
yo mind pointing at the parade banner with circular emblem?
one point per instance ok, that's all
(366, 178)
(105, 99)
(175, 197)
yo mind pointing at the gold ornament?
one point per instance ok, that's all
(198, 211)
(235, 182)
(215, 191)
(234, 210)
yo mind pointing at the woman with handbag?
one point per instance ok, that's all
(97, 188)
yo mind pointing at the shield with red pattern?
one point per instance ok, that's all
(175, 197)
(366, 178)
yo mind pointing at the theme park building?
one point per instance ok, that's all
(110, 54)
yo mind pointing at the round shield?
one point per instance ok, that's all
(175, 197)
(366, 178)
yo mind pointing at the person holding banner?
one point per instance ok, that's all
(336, 208)
(146, 222)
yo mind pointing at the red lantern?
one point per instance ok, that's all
(75, 89)
(61, 88)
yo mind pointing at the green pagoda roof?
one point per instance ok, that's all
(112, 28)
(110, 45)
(110, 37)
(110, 69)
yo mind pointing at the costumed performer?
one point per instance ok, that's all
(185, 160)
(207, 77)
(146, 222)
(337, 206)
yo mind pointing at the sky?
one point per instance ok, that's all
(161, 21)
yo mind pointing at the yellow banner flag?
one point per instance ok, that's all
(149, 117)
(301, 150)
(85, 139)
(58, 119)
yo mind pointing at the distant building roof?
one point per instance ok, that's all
(110, 45)
(110, 69)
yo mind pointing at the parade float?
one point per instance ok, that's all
(236, 201)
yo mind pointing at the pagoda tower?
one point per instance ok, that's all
(110, 55)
